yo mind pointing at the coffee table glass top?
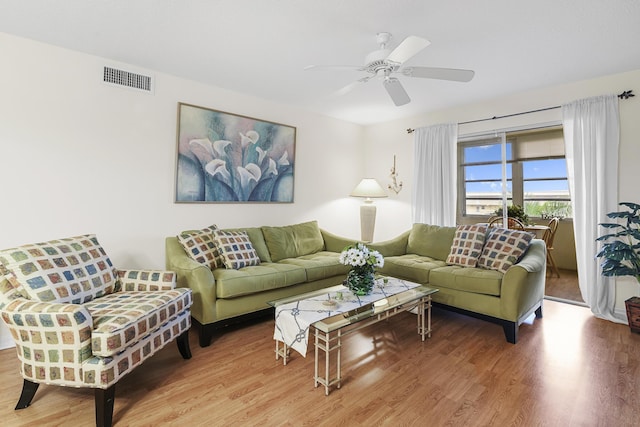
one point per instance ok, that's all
(367, 310)
(372, 309)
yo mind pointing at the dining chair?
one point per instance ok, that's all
(548, 237)
(512, 223)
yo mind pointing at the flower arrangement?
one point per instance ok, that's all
(360, 255)
(363, 262)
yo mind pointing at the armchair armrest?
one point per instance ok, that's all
(146, 280)
(35, 325)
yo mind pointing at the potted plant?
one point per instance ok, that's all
(621, 253)
(515, 211)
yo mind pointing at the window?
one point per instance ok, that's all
(535, 174)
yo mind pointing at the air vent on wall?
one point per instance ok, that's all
(122, 78)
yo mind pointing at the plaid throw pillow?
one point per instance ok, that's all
(200, 247)
(236, 249)
(504, 248)
(467, 245)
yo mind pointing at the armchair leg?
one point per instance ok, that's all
(183, 345)
(28, 391)
(104, 406)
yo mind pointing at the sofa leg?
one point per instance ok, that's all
(28, 391)
(183, 345)
(539, 312)
(206, 334)
(104, 406)
(511, 331)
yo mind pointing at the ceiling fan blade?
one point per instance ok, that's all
(333, 67)
(407, 49)
(453, 74)
(348, 88)
(396, 91)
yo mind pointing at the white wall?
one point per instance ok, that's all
(78, 156)
(383, 140)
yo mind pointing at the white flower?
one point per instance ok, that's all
(361, 255)
(220, 145)
(284, 159)
(218, 167)
(251, 137)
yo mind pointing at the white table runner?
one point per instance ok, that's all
(293, 319)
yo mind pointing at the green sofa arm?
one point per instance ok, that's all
(394, 247)
(335, 243)
(523, 284)
(192, 274)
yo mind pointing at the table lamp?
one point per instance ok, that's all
(368, 188)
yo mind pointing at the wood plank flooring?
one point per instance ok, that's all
(564, 287)
(568, 369)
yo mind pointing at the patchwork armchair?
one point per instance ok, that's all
(78, 322)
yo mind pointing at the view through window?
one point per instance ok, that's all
(536, 174)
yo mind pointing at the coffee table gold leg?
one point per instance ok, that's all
(284, 353)
(326, 363)
(339, 371)
(315, 375)
(421, 307)
(429, 316)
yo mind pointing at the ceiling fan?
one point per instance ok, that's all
(385, 62)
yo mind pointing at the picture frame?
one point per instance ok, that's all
(229, 158)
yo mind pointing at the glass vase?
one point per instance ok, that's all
(360, 280)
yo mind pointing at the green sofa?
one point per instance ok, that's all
(293, 259)
(506, 298)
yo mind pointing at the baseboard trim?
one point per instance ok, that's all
(566, 301)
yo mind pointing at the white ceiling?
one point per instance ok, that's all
(260, 47)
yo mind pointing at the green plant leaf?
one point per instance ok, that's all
(621, 252)
(631, 205)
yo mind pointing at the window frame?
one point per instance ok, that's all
(517, 180)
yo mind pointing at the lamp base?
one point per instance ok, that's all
(367, 222)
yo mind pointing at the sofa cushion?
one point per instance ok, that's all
(474, 280)
(504, 248)
(253, 279)
(293, 240)
(236, 249)
(201, 247)
(431, 241)
(467, 245)
(257, 241)
(319, 265)
(123, 318)
(410, 267)
(71, 270)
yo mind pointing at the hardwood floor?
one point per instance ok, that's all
(564, 287)
(568, 369)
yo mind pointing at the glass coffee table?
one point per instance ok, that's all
(333, 313)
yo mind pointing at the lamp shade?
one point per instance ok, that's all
(368, 187)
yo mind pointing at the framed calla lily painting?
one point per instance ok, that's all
(228, 158)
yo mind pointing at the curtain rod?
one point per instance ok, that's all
(624, 95)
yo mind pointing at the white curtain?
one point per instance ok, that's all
(591, 135)
(434, 183)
